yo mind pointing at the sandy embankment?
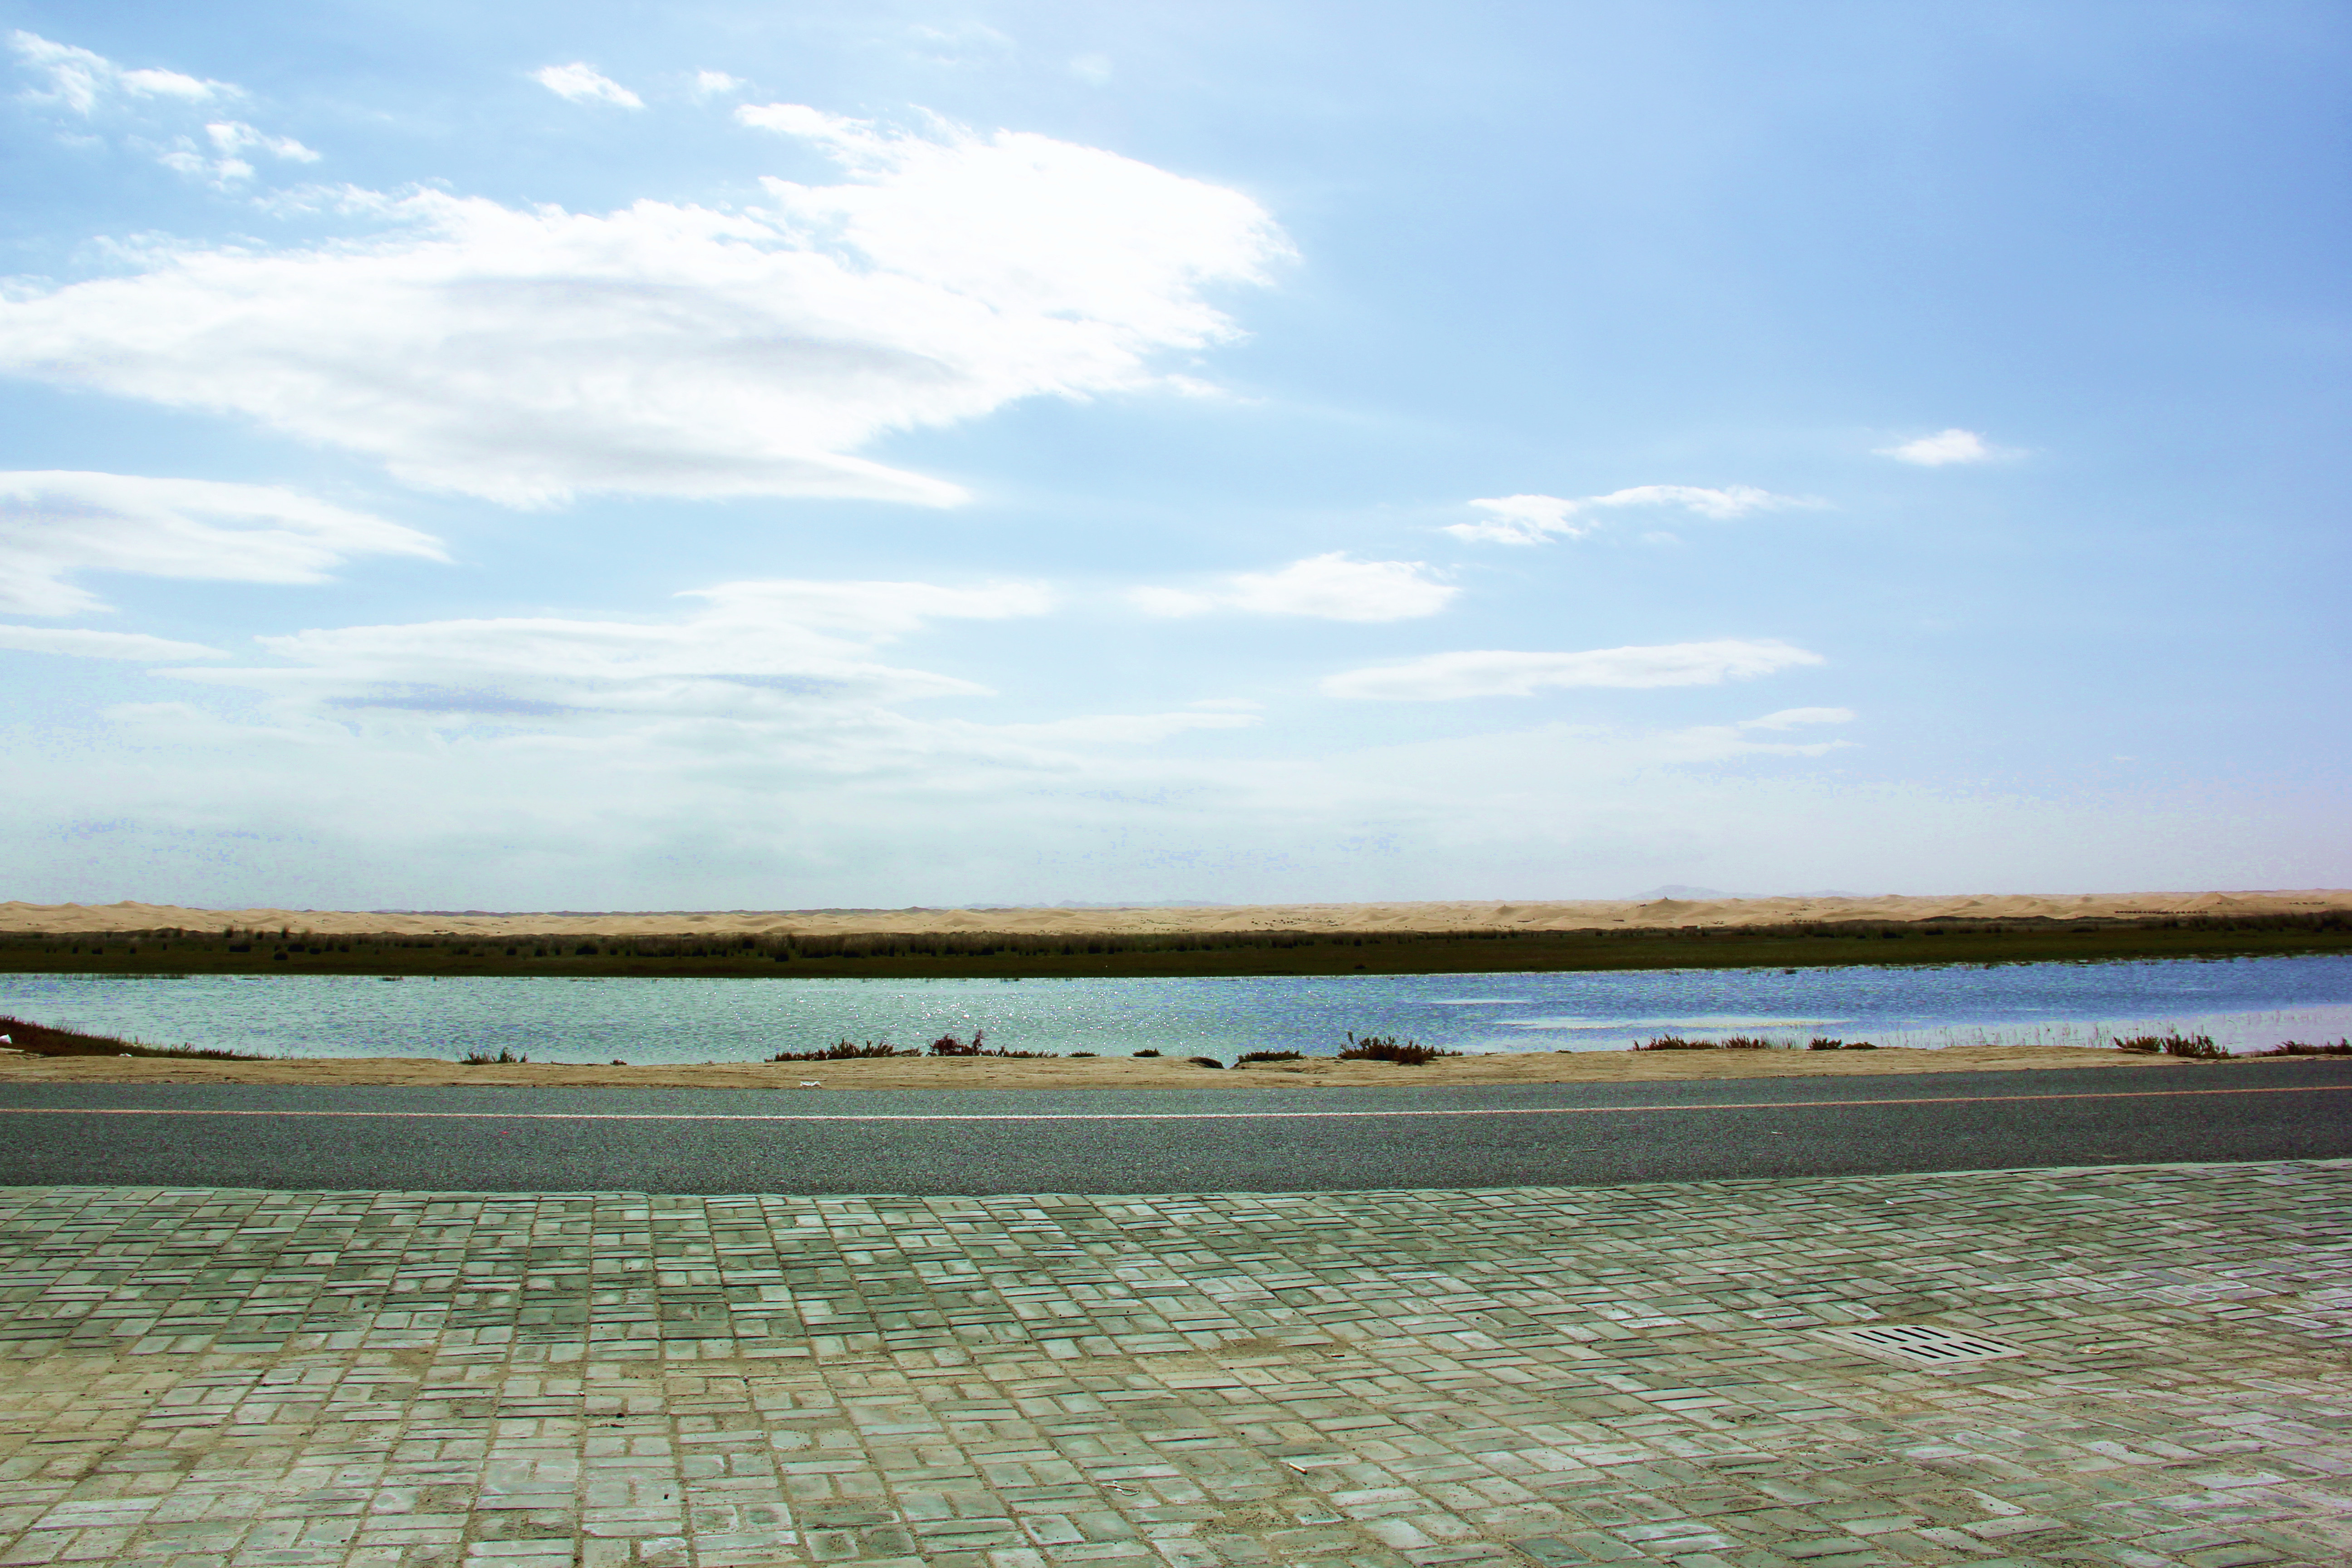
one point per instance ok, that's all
(1101, 1072)
(1475, 915)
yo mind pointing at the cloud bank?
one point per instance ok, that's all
(529, 355)
(57, 524)
(1441, 676)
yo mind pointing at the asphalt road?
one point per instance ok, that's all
(1241, 1140)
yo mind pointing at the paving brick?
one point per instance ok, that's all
(1558, 1376)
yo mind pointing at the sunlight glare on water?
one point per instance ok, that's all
(2245, 1004)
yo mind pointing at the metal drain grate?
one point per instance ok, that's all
(1917, 1345)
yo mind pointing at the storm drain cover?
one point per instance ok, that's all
(1917, 1345)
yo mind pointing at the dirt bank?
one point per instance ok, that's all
(1101, 1072)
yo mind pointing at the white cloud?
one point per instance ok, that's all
(1092, 69)
(1790, 718)
(717, 84)
(1495, 673)
(80, 644)
(525, 355)
(81, 80)
(1532, 519)
(755, 651)
(580, 83)
(1331, 586)
(1944, 448)
(56, 524)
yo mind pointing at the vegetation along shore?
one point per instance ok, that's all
(290, 949)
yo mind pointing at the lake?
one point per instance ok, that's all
(2245, 1003)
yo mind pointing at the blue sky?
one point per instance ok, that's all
(787, 456)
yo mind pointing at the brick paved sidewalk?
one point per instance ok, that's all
(1555, 1376)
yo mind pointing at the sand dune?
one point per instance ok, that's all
(1465, 915)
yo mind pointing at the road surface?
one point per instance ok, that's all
(1242, 1139)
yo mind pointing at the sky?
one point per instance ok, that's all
(770, 456)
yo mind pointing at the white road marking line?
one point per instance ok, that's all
(1139, 1115)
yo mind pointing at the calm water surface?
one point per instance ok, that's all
(2245, 1004)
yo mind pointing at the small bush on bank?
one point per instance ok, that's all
(2297, 1048)
(2196, 1048)
(842, 1051)
(1248, 1057)
(1748, 1043)
(1389, 1049)
(1675, 1043)
(1207, 1062)
(948, 1046)
(1146, 1053)
(484, 1059)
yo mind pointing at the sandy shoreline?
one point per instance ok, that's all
(1431, 917)
(1095, 1073)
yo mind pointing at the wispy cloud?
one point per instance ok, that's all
(1493, 673)
(82, 81)
(74, 643)
(528, 353)
(144, 104)
(750, 651)
(581, 83)
(1794, 718)
(229, 139)
(1533, 519)
(1333, 587)
(54, 525)
(717, 84)
(1113, 729)
(1942, 448)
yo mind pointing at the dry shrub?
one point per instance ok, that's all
(948, 1046)
(42, 1040)
(1389, 1049)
